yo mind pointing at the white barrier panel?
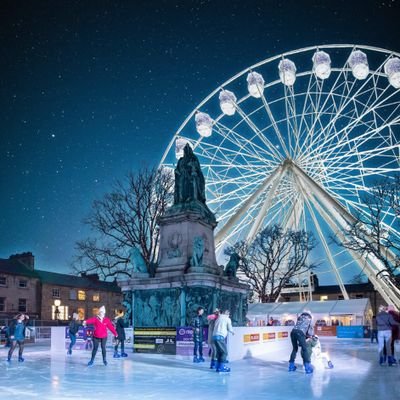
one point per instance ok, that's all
(58, 339)
(259, 340)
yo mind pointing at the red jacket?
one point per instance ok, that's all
(100, 327)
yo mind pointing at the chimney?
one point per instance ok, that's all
(27, 259)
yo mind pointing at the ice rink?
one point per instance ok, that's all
(356, 375)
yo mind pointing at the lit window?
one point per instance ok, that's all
(56, 293)
(23, 283)
(3, 281)
(59, 312)
(22, 305)
(323, 298)
(96, 297)
(81, 295)
(95, 311)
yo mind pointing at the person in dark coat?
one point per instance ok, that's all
(385, 322)
(299, 335)
(120, 328)
(197, 325)
(73, 330)
(395, 329)
(16, 331)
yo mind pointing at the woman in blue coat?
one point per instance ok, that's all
(16, 331)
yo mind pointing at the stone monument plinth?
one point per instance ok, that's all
(187, 274)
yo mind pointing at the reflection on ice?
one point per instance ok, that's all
(356, 375)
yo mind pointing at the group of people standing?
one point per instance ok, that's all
(219, 325)
(100, 325)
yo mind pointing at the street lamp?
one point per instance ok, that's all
(57, 304)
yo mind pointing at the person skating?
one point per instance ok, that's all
(301, 331)
(318, 357)
(16, 331)
(100, 323)
(120, 328)
(213, 351)
(222, 326)
(73, 330)
(385, 322)
(197, 325)
(395, 329)
(374, 330)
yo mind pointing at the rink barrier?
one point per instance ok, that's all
(256, 341)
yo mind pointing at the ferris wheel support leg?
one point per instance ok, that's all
(221, 234)
(267, 204)
(324, 244)
(374, 271)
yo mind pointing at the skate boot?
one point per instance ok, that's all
(382, 360)
(90, 363)
(292, 367)
(308, 368)
(105, 362)
(330, 365)
(391, 361)
(213, 364)
(222, 367)
(116, 355)
(195, 359)
(9, 359)
(69, 352)
(124, 355)
(201, 359)
(21, 359)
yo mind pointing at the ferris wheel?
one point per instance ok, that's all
(298, 139)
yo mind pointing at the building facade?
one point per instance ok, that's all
(52, 296)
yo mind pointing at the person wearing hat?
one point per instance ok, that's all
(211, 323)
(73, 330)
(100, 323)
(300, 333)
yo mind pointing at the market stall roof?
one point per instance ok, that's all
(332, 307)
(347, 307)
(261, 308)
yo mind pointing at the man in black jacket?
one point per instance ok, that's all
(301, 331)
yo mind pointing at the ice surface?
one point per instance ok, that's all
(356, 375)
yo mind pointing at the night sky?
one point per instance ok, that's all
(93, 89)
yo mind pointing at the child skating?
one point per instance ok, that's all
(100, 323)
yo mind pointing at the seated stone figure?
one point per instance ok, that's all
(232, 266)
(198, 250)
(137, 261)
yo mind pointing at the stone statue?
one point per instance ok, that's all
(174, 241)
(198, 250)
(137, 261)
(189, 179)
(232, 266)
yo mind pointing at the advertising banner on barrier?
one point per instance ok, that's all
(84, 339)
(184, 341)
(356, 331)
(155, 340)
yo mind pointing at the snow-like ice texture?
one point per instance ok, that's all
(356, 375)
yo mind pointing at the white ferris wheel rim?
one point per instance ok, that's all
(304, 72)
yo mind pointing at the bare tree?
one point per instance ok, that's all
(273, 259)
(124, 219)
(368, 234)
